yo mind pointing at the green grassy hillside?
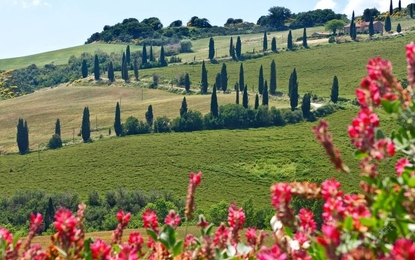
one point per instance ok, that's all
(235, 164)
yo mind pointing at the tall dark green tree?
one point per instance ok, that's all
(245, 98)
(334, 96)
(391, 8)
(136, 69)
(399, 28)
(399, 6)
(273, 79)
(144, 58)
(128, 55)
(306, 105)
(151, 55)
(232, 50)
(162, 60)
(274, 44)
(353, 28)
(224, 78)
(293, 90)
(117, 121)
(241, 77)
(183, 108)
(49, 215)
(388, 24)
(265, 97)
(211, 49)
(256, 101)
(84, 69)
(371, 28)
(290, 44)
(204, 79)
(305, 44)
(58, 127)
(96, 67)
(111, 76)
(123, 61)
(238, 48)
(149, 115)
(124, 69)
(261, 80)
(411, 10)
(86, 126)
(22, 136)
(214, 103)
(265, 42)
(237, 92)
(218, 81)
(187, 82)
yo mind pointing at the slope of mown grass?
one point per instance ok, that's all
(235, 164)
(41, 109)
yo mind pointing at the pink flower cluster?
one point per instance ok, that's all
(195, 180)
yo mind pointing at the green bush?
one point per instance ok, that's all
(292, 117)
(188, 122)
(162, 125)
(55, 142)
(325, 110)
(262, 117)
(276, 117)
(234, 116)
(212, 123)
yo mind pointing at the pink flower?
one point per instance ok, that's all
(150, 219)
(401, 164)
(172, 219)
(362, 129)
(236, 217)
(6, 235)
(330, 237)
(280, 195)
(100, 250)
(410, 50)
(275, 253)
(196, 178)
(330, 189)
(190, 241)
(251, 237)
(35, 252)
(136, 240)
(123, 218)
(202, 222)
(221, 236)
(307, 223)
(128, 252)
(403, 249)
(64, 221)
(382, 148)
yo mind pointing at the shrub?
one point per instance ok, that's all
(55, 142)
(292, 117)
(276, 117)
(186, 46)
(234, 116)
(133, 126)
(188, 122)
(211, 122)
(325, 110)
(332, 39)
(262, 117)
(162, 125)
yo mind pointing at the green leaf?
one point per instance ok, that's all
(208, 230)
(177, 249)
(359, 155)
(348, 223)
(369, 222)
(411, 182)
(116, 248)
(391, 106)
(289, 232)
(152, 234)
(379, 134)
(87, 249)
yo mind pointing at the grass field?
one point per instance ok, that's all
(41, 109)
(236, 164)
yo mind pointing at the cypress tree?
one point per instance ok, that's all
(111, 77)
(144, 55)
(86, 125)
(151, 56)
(391, 8)
(204, 80)
(411, 10)
(388, 24)
(305, 45)
(265, 95)
(149, 115)
(293, 85)
(241, 77)
(122, 65)
(96, 67)
(399, 28)
(353, 28)
(238, 48)
(136, 69)
(218, 81)
(162, 57)
(58, 127)
(125, 71)
(127, 55)
(183, 108)
(211, 49)
(274, 44)
(261, 80)
(265, 42)
(214, 103)
(334, 96)
(237, 92)
(306, 105)
(22, 136)
(371, 28)
(117, 121)
(245, 97)
(224, 78)
(187, 82)
(256, 101)
(231, 49)
(49, 214)
(84, 69)
(273, 79)
(290, 41)
(399, 6)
